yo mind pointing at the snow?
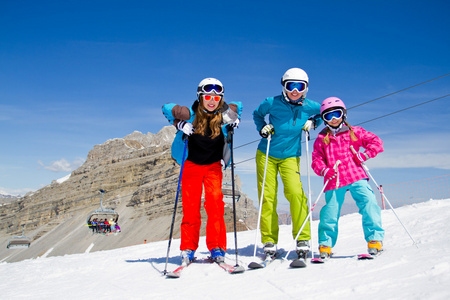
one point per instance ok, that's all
(403, 271)
(62, 179)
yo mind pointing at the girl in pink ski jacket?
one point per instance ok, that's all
(335, 144)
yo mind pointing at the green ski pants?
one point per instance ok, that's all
(289, 170)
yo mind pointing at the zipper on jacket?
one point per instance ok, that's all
(295, 117)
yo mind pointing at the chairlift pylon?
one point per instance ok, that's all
(19, 242)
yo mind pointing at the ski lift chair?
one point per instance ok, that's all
(227, 191)
(19, 242)
(102, 213)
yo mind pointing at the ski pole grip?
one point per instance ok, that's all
(362, 164)
(336, 165)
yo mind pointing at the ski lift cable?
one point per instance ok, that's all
(402, 90)
(377, 118)
(364, 103)
(236, 163)
(402, 110)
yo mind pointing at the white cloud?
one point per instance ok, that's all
(14, 192)
(62, 165)
(422, 160)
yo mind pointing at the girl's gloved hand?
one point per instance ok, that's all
(186, 127)
(329, 173)
(235, 124)
(359, 157)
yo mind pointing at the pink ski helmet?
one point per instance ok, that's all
(332, 102)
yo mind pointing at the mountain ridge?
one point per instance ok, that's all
(140, 179)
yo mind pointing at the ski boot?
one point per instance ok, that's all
(325, 252)
(375, 247)
(218, 255)
(270, 249)
(187, 256)
(302, 249)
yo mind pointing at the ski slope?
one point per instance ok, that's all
(403, 271)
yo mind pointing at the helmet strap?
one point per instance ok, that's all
(298, 102)
(336, 129)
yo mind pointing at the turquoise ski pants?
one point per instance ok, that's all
(289, 170)
(365, 199)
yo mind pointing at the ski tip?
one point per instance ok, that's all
(364, 256)
(255, 265)
(317, 261)
(297, 263)
(172, 275)
(238, 269)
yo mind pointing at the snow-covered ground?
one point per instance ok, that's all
(404, 271)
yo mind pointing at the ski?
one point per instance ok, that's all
(231, 269)
(298, 263)
(320, 260)
(254, 265)
(177, 272)
(366, 256)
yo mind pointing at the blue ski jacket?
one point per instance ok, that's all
(179, 142)
(288, 121)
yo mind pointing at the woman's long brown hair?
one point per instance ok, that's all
(202, 118)
(326, 139)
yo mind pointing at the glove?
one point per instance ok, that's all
(186, 127)
(311, 123)
(359, 157)
(235, 124)
(329, 173)
(266, 130)
(229, 116)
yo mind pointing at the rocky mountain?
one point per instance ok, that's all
(4, 198)
(140, 181)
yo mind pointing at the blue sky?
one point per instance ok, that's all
(74, 74)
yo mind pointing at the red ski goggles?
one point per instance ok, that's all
(209, 97)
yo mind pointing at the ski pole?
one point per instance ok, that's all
(262, 194)
(309, 188)
(230, 135)
(383, 195)
(312, 208)
(175, 206)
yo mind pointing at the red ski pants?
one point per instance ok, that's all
(193, 179)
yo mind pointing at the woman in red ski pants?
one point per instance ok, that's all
(202, 124)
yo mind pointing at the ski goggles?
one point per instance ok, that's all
(209, 88)
(300, 86)
(209, 97)
(333, 114)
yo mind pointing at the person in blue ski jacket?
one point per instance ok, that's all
(289, 115)
(205, 125)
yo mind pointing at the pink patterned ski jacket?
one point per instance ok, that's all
(325, 156)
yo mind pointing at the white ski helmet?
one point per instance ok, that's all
(210, 85)
(295, 74)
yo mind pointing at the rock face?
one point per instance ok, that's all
(140, 179)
